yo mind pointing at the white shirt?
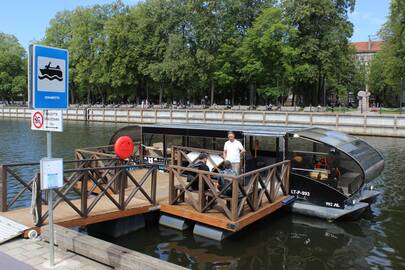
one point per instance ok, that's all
(233, 150)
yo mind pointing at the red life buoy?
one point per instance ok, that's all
(124, 147)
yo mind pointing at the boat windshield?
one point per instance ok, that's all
(370, 160)
(326, 164)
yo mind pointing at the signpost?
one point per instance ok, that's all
(48, 94)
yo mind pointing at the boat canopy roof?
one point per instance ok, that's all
(254, 130)
(204, 130)
(370, 160)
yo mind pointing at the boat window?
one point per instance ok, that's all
(153, 145)
(264, 149)
(261, 151)
(266, 143)
(325, 164)
(173, 140)
(132, 131)
(201, 142)
(219, 144)
(366, 155)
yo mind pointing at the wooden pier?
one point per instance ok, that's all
(106, 253)
(99, 187)
(109, 189)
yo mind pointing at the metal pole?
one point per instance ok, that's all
(401, 95)
(324, 96)
(50, 203)
(49, 144)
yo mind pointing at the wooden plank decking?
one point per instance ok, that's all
(64, 215)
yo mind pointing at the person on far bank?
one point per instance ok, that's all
(233, 149)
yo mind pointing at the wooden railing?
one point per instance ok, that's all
(97, 152)
(239, 195)
(81, 182)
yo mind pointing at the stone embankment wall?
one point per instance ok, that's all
(361, 124)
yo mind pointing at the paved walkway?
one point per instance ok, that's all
(35, 253)
(8, 262)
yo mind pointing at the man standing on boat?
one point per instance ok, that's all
(233, 149)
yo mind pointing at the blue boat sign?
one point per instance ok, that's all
(48, 77)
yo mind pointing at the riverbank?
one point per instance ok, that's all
(371, 124)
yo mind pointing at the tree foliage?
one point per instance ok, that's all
(322, 41)
(164, 50)
(266, 55)
(13, 78)
(388, 67)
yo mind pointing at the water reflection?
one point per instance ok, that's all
(279, 242)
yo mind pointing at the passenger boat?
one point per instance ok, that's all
(331, 172)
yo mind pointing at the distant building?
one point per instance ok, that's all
(365, 51)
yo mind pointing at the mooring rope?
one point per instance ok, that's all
(34, 206)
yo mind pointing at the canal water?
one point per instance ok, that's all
(281, 241)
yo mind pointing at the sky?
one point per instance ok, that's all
(368, 17)
(28, 19)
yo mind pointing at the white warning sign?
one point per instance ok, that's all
(47, 120)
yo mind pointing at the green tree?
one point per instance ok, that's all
(81, 31)
(388, 67)
(13, 63)
(322, 40)
(266, 55)
(60, 34)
